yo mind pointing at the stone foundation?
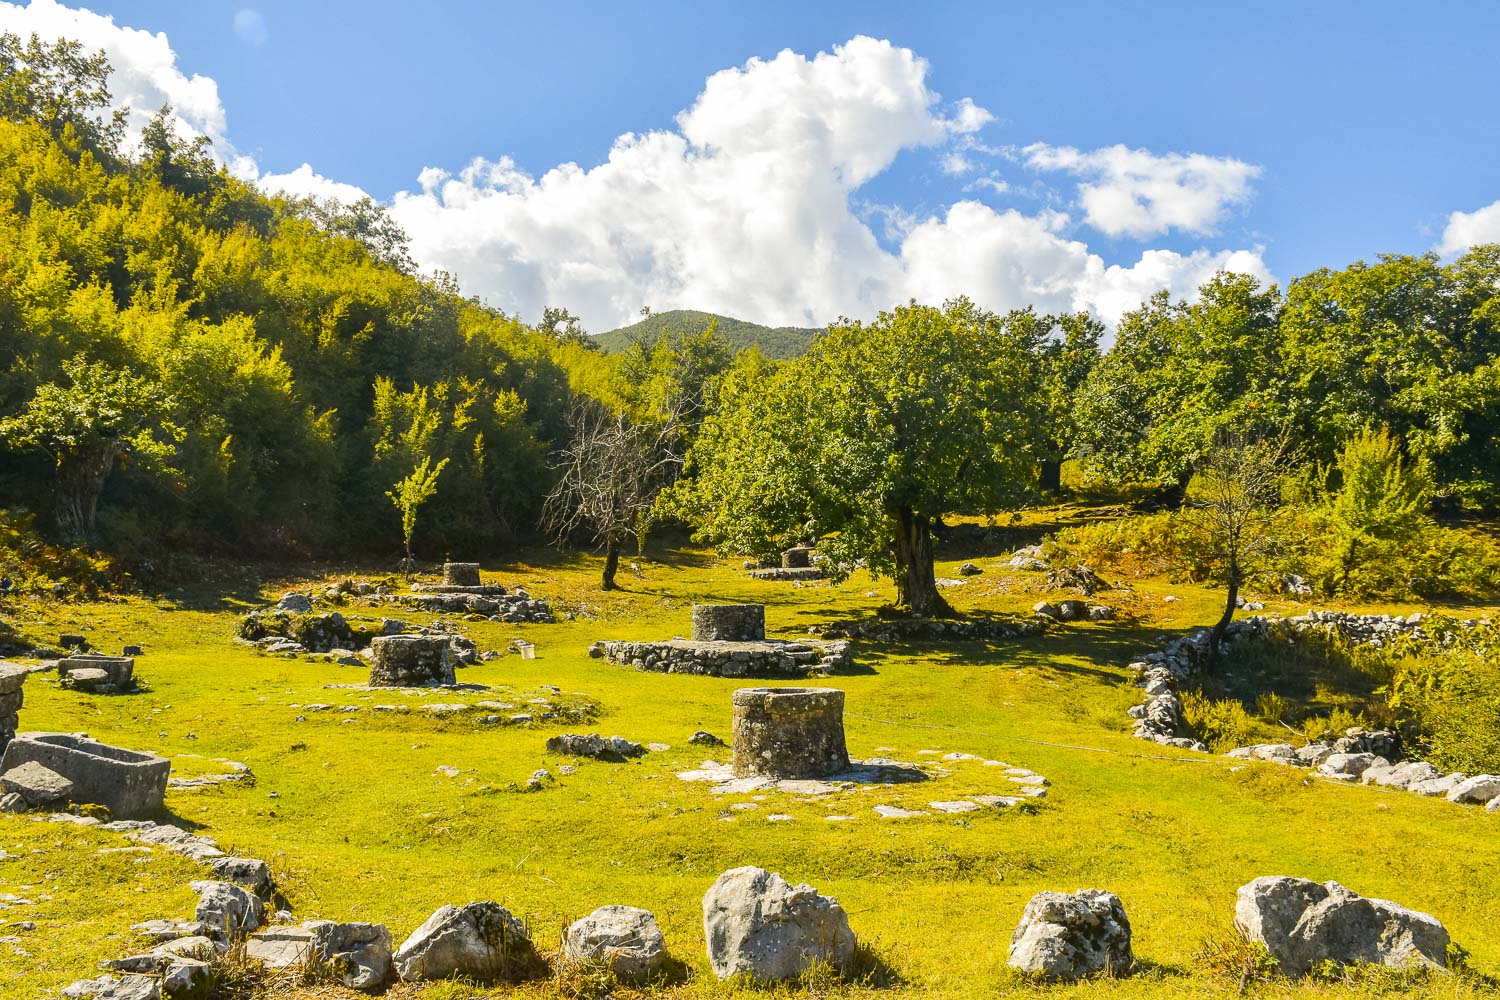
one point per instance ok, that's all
(492, 603)
(127, 782)
(729, 622)
(410, 661)
(457, 574)
(770, 658)
(789, 733)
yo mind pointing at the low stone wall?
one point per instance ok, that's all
(1159, 716)
(769, 658)
(789, 733)
(897, 629)
(786, 574)
(729, 622)
(410, 661)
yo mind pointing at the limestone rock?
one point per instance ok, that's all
(251, 873)
(625, 939)
(38, 785)
(1478, 790)
(616, 749)
(757, 924)
(1349, 766)
(704, 738)
(359, 954)
(280, 947)
(295, 603)
(1302, 923)
(110, 988)
(1069, 936)
(479, 940)
(969, 569)
(230, 910)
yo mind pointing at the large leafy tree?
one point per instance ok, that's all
(1408, 343)
(86, 426)
(61, 86)
(1179, 375)
(871, 437)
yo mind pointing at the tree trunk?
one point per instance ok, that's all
(1050, 477)
(1172, 497)
(916, 583)
(1232, 595)
(80, 481)
(611, 562)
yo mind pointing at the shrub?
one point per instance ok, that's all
(1223, 724)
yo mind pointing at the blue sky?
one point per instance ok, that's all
(1357, 128)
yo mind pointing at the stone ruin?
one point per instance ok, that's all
(789, 733)
(797, 563)
(729, 640)
(128, 783)
(463, 590)
(97, 674)
(411, 661)
(12, 677)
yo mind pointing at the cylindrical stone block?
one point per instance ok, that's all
(410, 661)
(789, 733)
(729, 622)
(460, 574)
(797, 557)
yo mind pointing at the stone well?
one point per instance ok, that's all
(129, 783)
(410, 661)
(789, 732)
(729, 622)
(797, 557)
(460, 574)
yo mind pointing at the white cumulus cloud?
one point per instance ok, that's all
(144, 76)
(1140, 194)
(304, 182)
(751, 204)
(1469, 229)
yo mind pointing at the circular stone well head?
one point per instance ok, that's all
(729, 622)
(789, 732)
(460, 574)
(797, 557)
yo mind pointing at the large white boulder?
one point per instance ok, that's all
(625, 939)
(1302, 923)
(1072, 935)
(480, 940)
(1478, 790)
(758, 924)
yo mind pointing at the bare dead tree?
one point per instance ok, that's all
(1232, 506)
(613, 469)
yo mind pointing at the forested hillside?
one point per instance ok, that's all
(779, 342)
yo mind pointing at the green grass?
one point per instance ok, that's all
(362, 827)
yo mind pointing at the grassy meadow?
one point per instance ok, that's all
(358, 824)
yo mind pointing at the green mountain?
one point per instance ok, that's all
(773, 341)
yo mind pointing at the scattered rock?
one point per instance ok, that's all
(969, 569)
(1302, 923)
(704, 738)
(624, 939)
(480, 940)
(229, 910)
(759, 925)
(39, 786)
(1069, 936)
(616, 748)
(358, 954)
